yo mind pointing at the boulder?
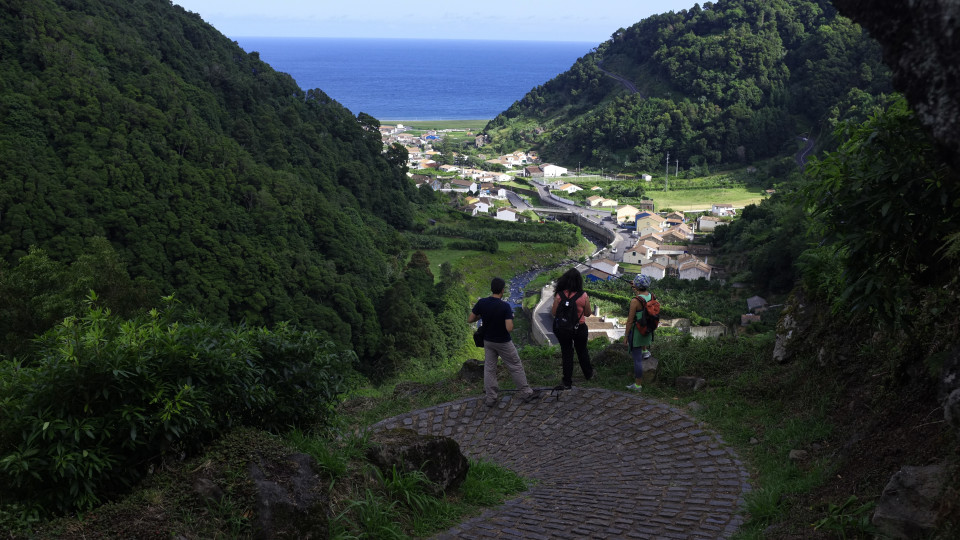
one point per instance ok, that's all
(799, 455)
(949, 388)
(291, 500)
(909, 503)
(472, 371)
(651, 368)
(438, 457)
(785, 333)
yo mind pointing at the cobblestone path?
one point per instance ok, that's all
(603, 464)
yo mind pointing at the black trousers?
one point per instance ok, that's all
(570, 341)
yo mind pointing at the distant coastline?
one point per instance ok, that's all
(419, 80)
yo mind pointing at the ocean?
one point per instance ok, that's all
(419, 79)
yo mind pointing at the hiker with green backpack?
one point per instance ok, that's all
(642, 321)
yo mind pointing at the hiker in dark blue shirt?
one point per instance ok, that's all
(497, 319)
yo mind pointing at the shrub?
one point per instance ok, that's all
(105, 397)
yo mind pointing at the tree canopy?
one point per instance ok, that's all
(207, 172)
(729, 82)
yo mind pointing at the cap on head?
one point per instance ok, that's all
(641, 281)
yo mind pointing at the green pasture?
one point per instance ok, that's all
(701, 199)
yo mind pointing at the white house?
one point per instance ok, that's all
(723, 210)
(463, 186)
(707, 223)
(569, 188)
(654, 270)
(627, 213)
(606, 266)
(482, 207)
(695, 269)
(552, 171)
(507, 214)
(594, 200)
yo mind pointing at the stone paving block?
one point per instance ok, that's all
(608, 465)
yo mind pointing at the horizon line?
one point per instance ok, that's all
(418, 39)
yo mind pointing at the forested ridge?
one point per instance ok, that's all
(732, 81)
(209, 174)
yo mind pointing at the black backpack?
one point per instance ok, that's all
(567, 317)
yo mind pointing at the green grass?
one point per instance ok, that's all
(701, 199)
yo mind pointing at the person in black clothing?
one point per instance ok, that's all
(497, 317)
(568, 286)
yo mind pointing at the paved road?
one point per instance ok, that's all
(632, 88)
(603, 464)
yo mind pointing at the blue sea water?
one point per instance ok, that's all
(419, 79)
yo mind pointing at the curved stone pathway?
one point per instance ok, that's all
(603, 464)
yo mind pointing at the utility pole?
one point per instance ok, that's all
(666, 179)
(676, 173)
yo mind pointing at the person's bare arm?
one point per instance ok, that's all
(472, 318)
(509, 325)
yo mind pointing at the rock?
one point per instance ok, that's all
(207, 489)
(921, 45)
(694, 406)
(799, 455)
(290, 498)
(651, 368)
(909, 502)
(785, 331)
(438, 457)
(472, 371)
(949, 390)
(690, 383)
(754, 440)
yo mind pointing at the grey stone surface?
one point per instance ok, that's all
(909, 503)
(603, 464)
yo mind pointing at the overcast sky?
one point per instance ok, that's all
(544, 20)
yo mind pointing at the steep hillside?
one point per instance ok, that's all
(733, 81)
(211, 175)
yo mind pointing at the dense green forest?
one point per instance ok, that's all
(730, 82)
(209, 175)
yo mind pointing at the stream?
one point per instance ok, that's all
(517, 285)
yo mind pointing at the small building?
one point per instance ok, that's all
(594, 200)
(707, 223)
(646, 206)
(748, 318)
(507, 214)
(627, 213)
(552, 171)
(722, 210)
(756, 304)
(606, 265)
(694, 269)
(654, 270)
(596, 275)
(533, 171)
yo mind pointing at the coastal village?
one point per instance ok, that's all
(663, 243)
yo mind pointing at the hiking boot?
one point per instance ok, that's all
(634, 387)
(533, 395)
(646, 354)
